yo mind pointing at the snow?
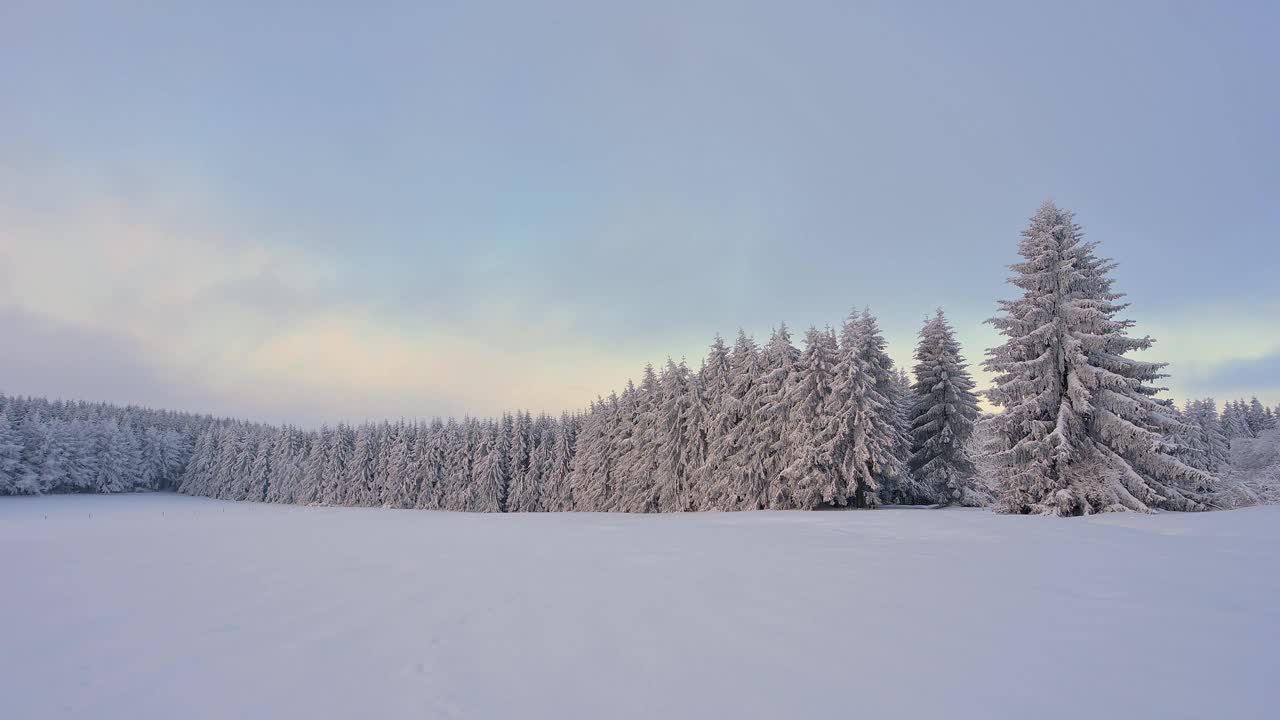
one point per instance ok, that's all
(164, 606)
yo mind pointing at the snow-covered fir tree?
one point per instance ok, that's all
(780, 361)
(1208, 447)
(10, 457)
(812, 474)
(875, 446)
(401, 489)
(557, 493)
(1081, 430)
(1234, 421)
(942, 417)
(523, 494)
(740, 482)
(591, 480)
(638, 464)
(1255, 415)
(674, 433)
(715, 380)
(488, 480)
(542, 442)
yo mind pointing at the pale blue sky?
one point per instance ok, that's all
(287, 212)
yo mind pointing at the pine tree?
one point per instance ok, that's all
(558, 495)
(257, 474)
(539, 470)
(523, 495)
(382, 438)
(360, 483)
(81, 456)
(280, 482)
(717, 419)
(1081, 430)
(1255, 416)
(241, 485)
(10, 457)
(1268, 419)
(740, 482)
(1210, 443)
(1234, 424)
(115, 473)
(780, 362)
(35, 448)
(401, 490)
(875, 441)
(462, 439)
(942, 417)
(502, 445)
(488, 475)
(431, 458)
(54, 473)
(811, 473)
(197, 478)
(638, 466)
(599, 479)
(674, 430)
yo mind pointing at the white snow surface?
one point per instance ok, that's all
(162, 606)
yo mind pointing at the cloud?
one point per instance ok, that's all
(138, 306)
(163, 301)
(45, 356)
(1248, 375)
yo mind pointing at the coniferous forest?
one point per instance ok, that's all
(829, 421)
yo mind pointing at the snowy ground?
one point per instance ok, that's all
(166, 607)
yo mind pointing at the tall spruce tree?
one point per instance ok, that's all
(10, 457)
(739, 480)
(557, 494)
(875, 445)
(942, 416)
(816, 432)
(639, 464)
(779, 361)
(1081, 430)
(674, 433)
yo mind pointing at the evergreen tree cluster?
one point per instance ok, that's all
(518, 464)
(1241, 419)
(753, 428)
(76, 447)
(1080, 429)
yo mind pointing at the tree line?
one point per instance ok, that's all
(753, 428)
(831, 423)
(78, 447)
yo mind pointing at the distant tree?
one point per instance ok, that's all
(1234, 421)
(10, 457)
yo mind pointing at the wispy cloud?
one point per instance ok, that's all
(126, 300)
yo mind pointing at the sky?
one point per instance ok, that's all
(301, 212)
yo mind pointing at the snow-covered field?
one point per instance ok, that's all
(160, 606)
